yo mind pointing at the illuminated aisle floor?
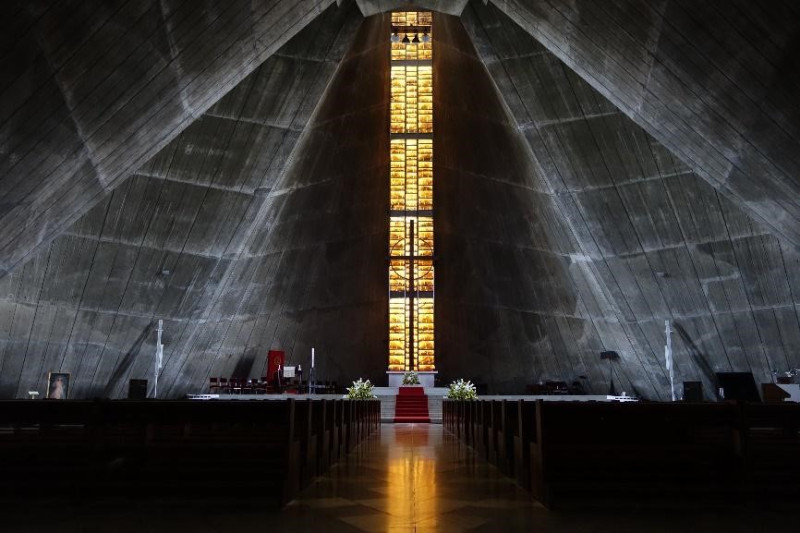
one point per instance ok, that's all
(417, 477)
(411, 477)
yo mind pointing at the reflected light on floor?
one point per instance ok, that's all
(411, 484)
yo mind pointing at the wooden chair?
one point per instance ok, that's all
(223, 386)
(213, 385)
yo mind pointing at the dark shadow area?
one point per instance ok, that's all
(127, 361)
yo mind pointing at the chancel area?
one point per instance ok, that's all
(336, 260)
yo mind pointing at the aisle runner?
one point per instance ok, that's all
(411, 405)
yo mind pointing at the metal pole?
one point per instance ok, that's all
(668, 357)
(159, 358)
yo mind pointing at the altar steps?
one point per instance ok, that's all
(411, 405)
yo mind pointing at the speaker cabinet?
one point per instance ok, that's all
(137, 389)
(693, 391)
(738, 386)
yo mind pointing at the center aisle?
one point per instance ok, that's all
(418, 477)
(412, 477)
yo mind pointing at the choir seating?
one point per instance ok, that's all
(219, 385)
(263, 385)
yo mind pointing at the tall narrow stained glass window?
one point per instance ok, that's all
(411, 270)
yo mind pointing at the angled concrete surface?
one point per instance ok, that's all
(312, 273)
(92, 90)
(160, 245)
(507, 313)
(655, 241)
(716, 82)
(601, 167)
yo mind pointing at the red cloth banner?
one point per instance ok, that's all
(275, 359)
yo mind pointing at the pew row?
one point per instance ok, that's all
(262, 452)
(582, 453)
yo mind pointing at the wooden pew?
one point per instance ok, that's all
(577, 453)
(508, 429)
(589, 451)
(771, 446)
(524, 438)
(265, 450)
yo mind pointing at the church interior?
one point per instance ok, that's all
(217, 216)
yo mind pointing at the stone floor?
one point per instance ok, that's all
(411, 477)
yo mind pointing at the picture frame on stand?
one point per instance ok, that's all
(58, 385)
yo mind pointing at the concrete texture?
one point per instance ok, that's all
(92, 90)
(601, 167)
(172, 243)
(715, 82)
(507, 313)
(312, 273)
(653, 240)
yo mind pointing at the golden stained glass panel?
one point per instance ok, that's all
(412, 18)
(400, 275)
(400, 236)
(405, 334)
(411, 269)
(411, 174)
(411, 106)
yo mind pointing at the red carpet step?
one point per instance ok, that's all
(411, 405)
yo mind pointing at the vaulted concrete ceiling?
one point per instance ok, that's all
(655, 241)
(166, 242)
(716, 82)
(92, 90)
(202, 165)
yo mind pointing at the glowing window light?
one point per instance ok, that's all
(411, 174)
(411, 106)
(411, 239)
(401, 328)
(412, 24)
(402, 270)
(400, 236)
(423, 336)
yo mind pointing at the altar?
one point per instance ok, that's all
(426, 379)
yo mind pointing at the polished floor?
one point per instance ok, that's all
(415, 477)
(409, 478)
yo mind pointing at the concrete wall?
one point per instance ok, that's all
(313, 273)
(507, 313)
(87, 303)
(655, 241)
(714, 82)
(575, 211)
(92, 90)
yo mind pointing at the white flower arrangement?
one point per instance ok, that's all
(361, 390)
(410, 378)
(462, 390)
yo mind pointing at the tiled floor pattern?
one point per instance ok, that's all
(411, 477)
